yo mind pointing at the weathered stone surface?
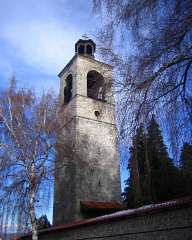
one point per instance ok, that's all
(87, 165)
(166, 223)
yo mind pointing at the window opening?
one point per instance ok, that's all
(97, 113)
(89, 49)
(95, 86)
(81, 49)
(68, 89)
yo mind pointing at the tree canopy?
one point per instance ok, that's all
(28, 127)
(153, 176)
(43, 222)
(186, 157)
(149, 44)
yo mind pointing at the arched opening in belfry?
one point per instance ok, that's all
(89, 49)
(81, 49)
(68, 89)
(95, 86)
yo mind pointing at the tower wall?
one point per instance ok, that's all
(87, 165)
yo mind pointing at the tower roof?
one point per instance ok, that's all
(85, 46)
(85, 41)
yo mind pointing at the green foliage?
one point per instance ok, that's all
(153, 176)
(186, 157)
(186, 167)
(135, 190)
(43, 223)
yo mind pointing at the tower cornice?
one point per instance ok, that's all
(85, 57)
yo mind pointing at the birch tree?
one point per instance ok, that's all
(28, 128)
(149, 44)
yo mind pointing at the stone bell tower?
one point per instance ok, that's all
(87, 177)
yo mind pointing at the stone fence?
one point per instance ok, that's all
(164, 221)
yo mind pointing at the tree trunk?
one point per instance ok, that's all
(32, 203)
(147, 173)
(32, 214)
(136, 176)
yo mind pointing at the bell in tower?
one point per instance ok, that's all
(87, 178)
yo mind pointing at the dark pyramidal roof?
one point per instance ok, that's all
(85, 41)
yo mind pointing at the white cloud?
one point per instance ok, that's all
(37, 39)
(43, 45)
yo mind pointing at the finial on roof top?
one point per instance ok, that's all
(85, 36)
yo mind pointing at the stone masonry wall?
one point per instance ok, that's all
(165, 224)
(87, 160)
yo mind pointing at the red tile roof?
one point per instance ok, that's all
(122, 214)
(101, 205)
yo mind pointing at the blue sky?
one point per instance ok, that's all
(37, 39)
